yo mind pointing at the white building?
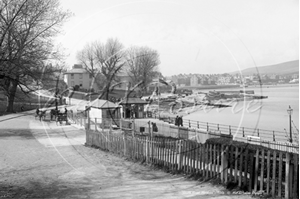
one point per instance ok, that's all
(79, 76)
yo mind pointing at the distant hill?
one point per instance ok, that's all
(285, 68)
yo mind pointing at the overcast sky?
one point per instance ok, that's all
(194, 36)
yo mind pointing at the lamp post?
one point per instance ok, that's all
(290, 111)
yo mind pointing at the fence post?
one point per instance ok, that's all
(124, 144)
(224, 163)
(133, 127)
(179, 154)
(95, 124)
(110, 126)
(147, 149)
(287, 176)
(121, 124)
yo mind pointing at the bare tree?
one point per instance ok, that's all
(26, 42)
(87, 57)
(111, 58)
(142, 65)
(104, 61)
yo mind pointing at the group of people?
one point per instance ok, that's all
(178, 121)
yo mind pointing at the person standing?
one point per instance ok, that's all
(180, 121)
(176, 121)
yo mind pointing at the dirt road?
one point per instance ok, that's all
(43, 160)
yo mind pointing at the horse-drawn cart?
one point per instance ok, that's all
(61, 117)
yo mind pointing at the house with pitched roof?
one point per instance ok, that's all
(79, 76)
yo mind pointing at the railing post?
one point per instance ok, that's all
(243, 132)
(190, 123)
(218, 127)
(257, 132)
(197, 124)
(274, 136)
(207, 126)
(229, 130)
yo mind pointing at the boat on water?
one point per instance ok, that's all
(244, 85)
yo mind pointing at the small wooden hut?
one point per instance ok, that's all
(133, 108)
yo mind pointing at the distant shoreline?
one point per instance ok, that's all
(235, 86)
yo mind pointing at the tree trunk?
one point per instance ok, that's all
(11, 96)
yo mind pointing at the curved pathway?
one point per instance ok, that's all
(43, 160)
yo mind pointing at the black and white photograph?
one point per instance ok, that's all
(149, 99)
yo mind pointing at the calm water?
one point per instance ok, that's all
(268, 114)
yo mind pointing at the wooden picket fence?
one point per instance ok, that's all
(274, 172)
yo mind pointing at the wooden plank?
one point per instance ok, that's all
(190, 157)
(211, 160)
(167, 153)
(173, 150)
(222, 163)
(218, 160)
(287, 176)
(187, 157)
(273, 174)
(226, 156)
(188, 149)
(179, 155)
(252, 171)
(236, 164)
(262, 170)
(296, 176)
(215, 161)
(241, 166)
(280, 174)
(200, 158)
(256, 170)
(163, 152)
(231, 161)
(197, 158)
(246, 167)
(194, 157)
(206, 161)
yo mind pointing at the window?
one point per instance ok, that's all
(72, 76)
(72, 83)
(80, 76)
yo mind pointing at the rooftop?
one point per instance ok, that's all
(103, 104)
(133, 101)
(76, 71)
